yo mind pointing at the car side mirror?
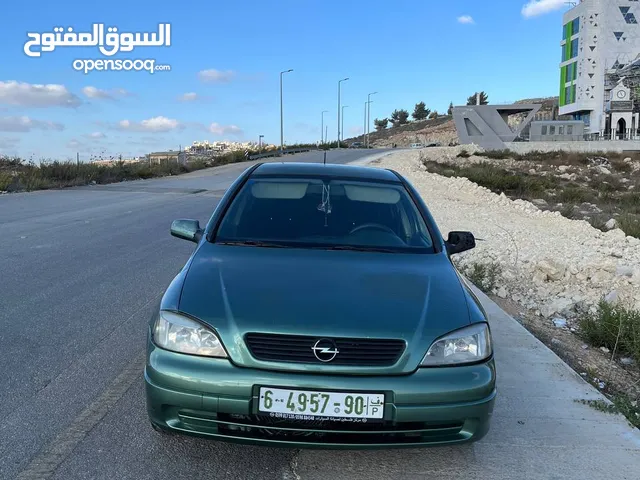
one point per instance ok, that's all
(187, 230)
(460, 242)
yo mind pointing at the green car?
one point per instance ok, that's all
(321, 309)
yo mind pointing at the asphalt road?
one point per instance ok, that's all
(80, 272)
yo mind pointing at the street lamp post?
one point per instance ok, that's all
(260, 143)
(364, 124)
(339, 82)
(369, 114)
(322, 127)
(282, 113)
(342, 119)
(368, 105)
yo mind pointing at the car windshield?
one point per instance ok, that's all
(325, 213)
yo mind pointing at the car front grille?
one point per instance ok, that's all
(320, 432)
(365, 352)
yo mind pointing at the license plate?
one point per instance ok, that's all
(305, 404)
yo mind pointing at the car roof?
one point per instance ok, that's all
(330, 169)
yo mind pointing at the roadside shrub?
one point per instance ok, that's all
(568, 211)
(629, 224)
(5, 181)
(615, 327)
(497, 179)
(621, 166)
(463, 154)
(485, 276)
(574, 194)
(630, 202)
(497, 154)
(16, 175)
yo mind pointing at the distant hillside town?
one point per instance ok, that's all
(198, 149)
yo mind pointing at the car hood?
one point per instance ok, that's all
(323, 293)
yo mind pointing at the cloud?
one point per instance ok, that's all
(36, 95)
(95, 135)
(535, 8)
(152, 125)
(216, 76)
(468, 19)
(193, 97)
(188, 97)
(26, 124)
(73, 143)
(355, 131)
(218, 129)
(122, 92)
(93, 92)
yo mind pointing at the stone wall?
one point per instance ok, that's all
(600, 146)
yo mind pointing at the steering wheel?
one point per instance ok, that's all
(376, 226)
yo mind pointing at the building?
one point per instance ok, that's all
(556, 131)
(170, 156)
(213, 148)
(599, 38)
(114, 161)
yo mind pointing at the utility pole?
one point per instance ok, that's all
(260, 143)
(339, 82)
(282, 113)
(364, 124)
(369, 114)
(367, 121)
(322, 126)
(343, 107)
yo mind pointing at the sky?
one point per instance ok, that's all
(225, 61)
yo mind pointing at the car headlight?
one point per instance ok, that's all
(467, 345)
(181, 334)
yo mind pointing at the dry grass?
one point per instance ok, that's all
(17, 175)
(615, 327)
(616, 194)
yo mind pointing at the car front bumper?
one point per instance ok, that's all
(214, 398)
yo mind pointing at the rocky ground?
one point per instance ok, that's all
(601, 188)
(550, 263)
(552, 269)
(441, 131)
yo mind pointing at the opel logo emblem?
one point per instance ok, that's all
(325, 350)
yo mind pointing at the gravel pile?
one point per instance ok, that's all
(549, 264)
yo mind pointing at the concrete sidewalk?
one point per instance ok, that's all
(538, 430)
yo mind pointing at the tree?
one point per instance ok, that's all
(381, 124)
(434, 115)
(399, 117)
(450, 111)
(484, 99)
(420, 112)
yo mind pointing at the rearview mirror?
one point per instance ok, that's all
(187, 230)
(460, 242)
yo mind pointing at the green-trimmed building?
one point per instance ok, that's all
(598, 36)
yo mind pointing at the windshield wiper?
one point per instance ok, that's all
(354, 248)
(252, 243)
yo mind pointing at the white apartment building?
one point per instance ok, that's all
(599, 36)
